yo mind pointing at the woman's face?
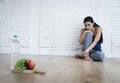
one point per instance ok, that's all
(88, 25)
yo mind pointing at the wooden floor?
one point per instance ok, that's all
(61, 69)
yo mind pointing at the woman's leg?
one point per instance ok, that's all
(86, 43)
(97, 55)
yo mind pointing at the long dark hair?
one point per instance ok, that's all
(90, 19)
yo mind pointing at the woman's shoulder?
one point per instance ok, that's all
(99, 28)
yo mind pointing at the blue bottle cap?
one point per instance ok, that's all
(15, 36)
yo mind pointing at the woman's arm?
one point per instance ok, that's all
(82, 34)
(97, 38)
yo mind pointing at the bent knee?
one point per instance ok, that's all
(88, 33)
(98, 57)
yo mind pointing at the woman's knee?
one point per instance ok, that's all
(101, 57)
(97, 56)
(88, 37)
(88, 34)
(87, 41)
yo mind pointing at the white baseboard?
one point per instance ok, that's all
(27, 51)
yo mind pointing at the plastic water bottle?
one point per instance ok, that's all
(15, 51)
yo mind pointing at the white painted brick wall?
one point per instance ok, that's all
(15, 18)
(60, 22)
(51, 27)
(115, 34)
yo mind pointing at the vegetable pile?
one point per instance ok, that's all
(25, 64)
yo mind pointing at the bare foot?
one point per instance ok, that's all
(87, 58)
(79, 56)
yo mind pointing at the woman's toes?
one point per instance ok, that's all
(87, 58)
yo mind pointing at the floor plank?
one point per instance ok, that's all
(63, 69)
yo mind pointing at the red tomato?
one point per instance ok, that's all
(30, 64)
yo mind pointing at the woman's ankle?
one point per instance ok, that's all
(87, 57)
